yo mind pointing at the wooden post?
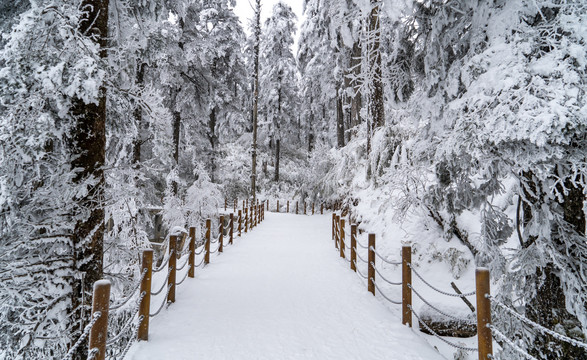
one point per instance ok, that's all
(287, 206)
(483, 314)
(277, 206)
(234, 210)
(146, 264)
(371, 272)
(99, 332)
(342, 247)
(172, 267)
(243, 204)
(337, 231)
(246, 219)
(231, 228)
(296, 207)
(192, 258)
(333, 225)
(221, 234)
(255, 214)
(305, 213)
(208, 228)
(354, 247)
(312, 208)
(225, 203)
(240, 222)
(406, 285)
(322, 209)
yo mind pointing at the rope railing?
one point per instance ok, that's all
(535, 325)
(138, 321)
(279, 206)
(436, 289)
(383, 277)
(385, 260)
(496, 333)
(383, 294)
(437, 309)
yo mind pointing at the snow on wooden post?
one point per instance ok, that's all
(406, 285)
(483, 314)
(146, 264)
(240, 222)
(312, 208)
(221, 235)
(231, 228)
(287, 206)
(172, 267)
(99, 332)
(192, 258)
(333, 224)
(208, 231)
(246, 219)
(371, 258)
(342, 248)
(354, 247)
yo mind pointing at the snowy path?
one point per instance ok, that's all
(280, 292)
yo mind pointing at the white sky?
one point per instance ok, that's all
(244, 11)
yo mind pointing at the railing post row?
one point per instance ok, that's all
(99, 332)
(342, 246)
(371, 268)
(354, 247)
(146, 264)
(172, 267)
(406, 285)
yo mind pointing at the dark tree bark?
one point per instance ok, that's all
(339, 121)
(277, 149)
(256, 99)
(213, 139)
(376, 94)
(88, 143)
(138, 115)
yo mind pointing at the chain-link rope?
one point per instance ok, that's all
(360, 258)
(435, 308)
(359, 271)
(201, 262)
(132, 339)
(125, 326)
(456, 346)
(361, 245)
(201, 251)
(438, 290)
(183, 279)
(535, 325)
(162, 286)
(163, 303)
(215, 251)
(163, 265)
(83, 336)
(383, 277)
(179, 268)
(130, 296)
(384, 259)
(498, 334)
(382, 294)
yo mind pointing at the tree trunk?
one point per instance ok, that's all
(277, 149)
(138, 115)
(88, 142)
(213, 140)
(356, 101)
(176, 131)
(376, 109)
(256, 100)
(339, 120)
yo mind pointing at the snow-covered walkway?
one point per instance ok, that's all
(280, 292)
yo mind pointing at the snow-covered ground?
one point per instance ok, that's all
(280, 292)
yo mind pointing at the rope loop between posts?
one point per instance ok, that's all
(435, 308)
(215, 251)
(438, 290)
(162, 286)
(163, 303)
(163, 265)
(84, 335)
(383, 277)
(130, 321)
(384, 259)
(497, 334)
(382, 294)
(361, 245)
(133, 337)
(359, 271)
(179, 268)
(125, 301)
(185, 276)
(360, 258)
(535, 325)
(201, 262)
(201, 251)
(456, 346)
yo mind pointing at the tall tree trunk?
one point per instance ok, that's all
(213, 140)
(356, 101)
(88, 142)
(339, 120)
(176, 133)
(138, 115)
(277, 149)
(256, 100)
(376, 109)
